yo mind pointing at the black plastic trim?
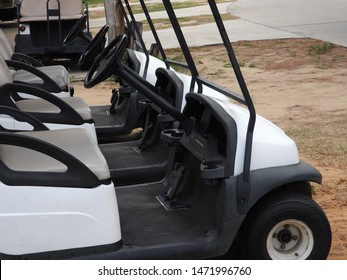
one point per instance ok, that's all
(23, 58)
(67, 254)
(265, 180)
(23, 117)
(222, 166)
(134, 60)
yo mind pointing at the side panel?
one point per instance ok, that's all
(42, 219)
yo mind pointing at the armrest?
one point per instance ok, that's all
(22, 117)
(23, 58)
(67, 114)
(48, 83)
(76, 175)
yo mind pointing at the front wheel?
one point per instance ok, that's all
(286, 226)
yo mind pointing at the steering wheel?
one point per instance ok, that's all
(102, 67)
(95, 46)
(76, 30)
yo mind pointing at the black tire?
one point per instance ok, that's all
(286, 225)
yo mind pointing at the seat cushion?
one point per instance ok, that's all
(57, 73)
(36, 10)
(43, 106)
(77, 142)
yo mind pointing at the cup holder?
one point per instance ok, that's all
(171, 135)
(212, 170)
(145, 103)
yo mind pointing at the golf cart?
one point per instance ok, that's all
(125, 112)
(233, 177)
(42, 26)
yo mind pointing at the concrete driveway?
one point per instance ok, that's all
(266, 19)
(258, 20)
(320, 19)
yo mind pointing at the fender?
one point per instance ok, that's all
(263, 181)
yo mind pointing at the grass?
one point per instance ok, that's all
(186, 21)
(322, 48)
(325, 143)
(136, 7)
(95, 2)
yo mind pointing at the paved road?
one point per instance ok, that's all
(266, 19)
(319, 19)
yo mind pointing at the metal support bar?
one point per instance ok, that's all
(139, 35)
(184, 46)
(243, 87)
(154, 32)
(53, 12)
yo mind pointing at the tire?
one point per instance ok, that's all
(286, 226)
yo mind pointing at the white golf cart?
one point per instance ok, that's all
(42, 26)
(233, 178)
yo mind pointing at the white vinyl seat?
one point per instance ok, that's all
(43, 106)
(57, 73)
(77, 142)
(36, 105)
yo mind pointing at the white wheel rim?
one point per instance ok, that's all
(290, 240)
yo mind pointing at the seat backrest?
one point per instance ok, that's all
(36, 10)
(6, 49)
(5, 73)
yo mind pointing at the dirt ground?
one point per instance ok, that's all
(300, 85)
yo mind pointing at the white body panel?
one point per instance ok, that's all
(271, 146)
(41, 219)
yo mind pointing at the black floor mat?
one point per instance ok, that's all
(129, 165)
(144, 221)
(102, 119)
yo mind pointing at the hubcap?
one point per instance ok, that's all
(290, 240)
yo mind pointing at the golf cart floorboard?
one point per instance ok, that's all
(129, 165)
(102, 118)
(145, 222)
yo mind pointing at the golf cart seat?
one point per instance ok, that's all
(64, 167)
(24, 73)
(46, 107)
(36, 10)
(76, 142)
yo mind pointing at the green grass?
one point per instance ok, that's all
(160, 7)
(95, 2)
(320, 49)
(185, 21)
(136, 8)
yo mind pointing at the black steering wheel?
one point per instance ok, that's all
(95, 46)
(110, 56)
(76, 30)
